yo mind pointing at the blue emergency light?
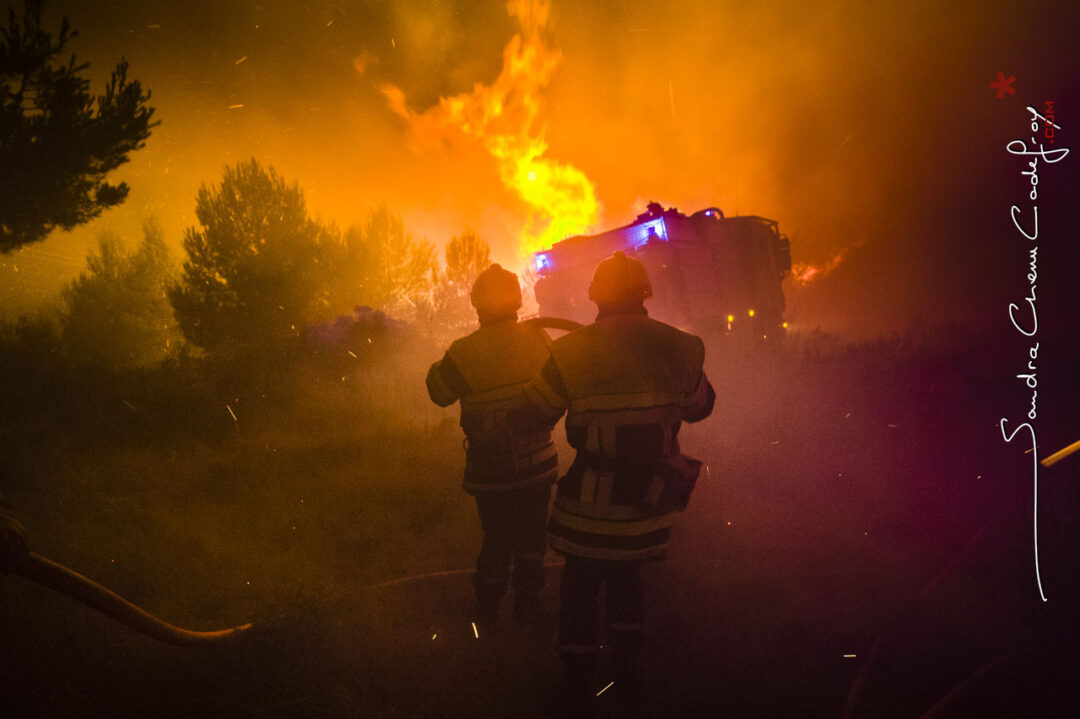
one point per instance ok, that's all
(642, 232)
(543, 262)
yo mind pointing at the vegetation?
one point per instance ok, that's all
(255, 273)
(466, 256)
(117, 314)
(260, 269)
(321, 499)
(801, 545)
(57, 143)
(384, 266)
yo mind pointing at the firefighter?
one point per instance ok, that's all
(626, 382)
(509, 469)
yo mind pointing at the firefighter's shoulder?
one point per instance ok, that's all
(631, 333)
(689, 347)
(497, 338)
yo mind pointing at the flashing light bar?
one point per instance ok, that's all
(646, 230)
(636, 237)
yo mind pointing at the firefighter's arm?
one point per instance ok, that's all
(445, 384)
(13, 550)
(700, 402)
(547, 397)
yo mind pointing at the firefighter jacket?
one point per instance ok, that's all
(486, 372)
(627, 382)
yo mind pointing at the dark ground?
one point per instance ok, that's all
(859, 547)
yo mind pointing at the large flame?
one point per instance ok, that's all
(503, 117)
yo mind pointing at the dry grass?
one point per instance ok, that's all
(846, 473)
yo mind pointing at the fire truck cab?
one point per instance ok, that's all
(708, 271)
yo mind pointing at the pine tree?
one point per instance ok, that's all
(57, 143)
(257, 269)
(117, 314)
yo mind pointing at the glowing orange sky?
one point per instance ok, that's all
(832, 118)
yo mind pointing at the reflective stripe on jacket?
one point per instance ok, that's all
(486, 371)
(627, 383)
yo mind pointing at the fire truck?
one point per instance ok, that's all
(708, 272)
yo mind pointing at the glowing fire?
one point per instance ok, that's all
(803, 273)
(503, 117)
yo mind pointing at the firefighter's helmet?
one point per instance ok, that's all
(619, 279)
(496, 292)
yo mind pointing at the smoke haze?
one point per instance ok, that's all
(846, 122)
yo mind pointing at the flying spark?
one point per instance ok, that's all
(231, 413)
(474, 632)
(609, 685)
(240, 60)
(236, 107)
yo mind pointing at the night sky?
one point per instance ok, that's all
(869, 131)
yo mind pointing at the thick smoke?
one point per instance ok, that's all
(846, 122)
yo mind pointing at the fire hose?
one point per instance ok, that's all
(951, 701)
(72, 584)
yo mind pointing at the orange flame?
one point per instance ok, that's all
(503, 117)
(803, 273)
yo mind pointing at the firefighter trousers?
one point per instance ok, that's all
(514, 523)
(579, 617)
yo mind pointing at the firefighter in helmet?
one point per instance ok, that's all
(508, 468)
(627, 383)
